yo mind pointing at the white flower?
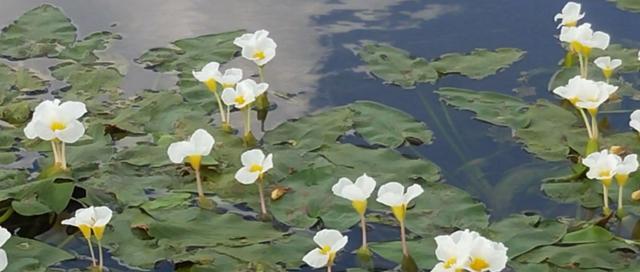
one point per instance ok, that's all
(628, 165)
(602, 165)
(582, 38)
(393, 194)
(238, 97)
(90, 219)
(329, 243)
(634, 120)
(453, 250)
(359, 191)
(52, 120)
(209, 73)
(4, 237)
(257, 47)
(250, 85)
(570, 15)
(199, 144)
(607, 65)
(230, 78)
(254, 165)
(487, 255)
(585, 93)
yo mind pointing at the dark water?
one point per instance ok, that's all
(315, 57)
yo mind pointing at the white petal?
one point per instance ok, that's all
(366, 184)
(254, 156)
(245, 176)
(412, 192)
(327, 237)
(446, 247)
(440, 268)
(600, 40)
(391, 194)
(71, 133)
(103, 215)
(615, 63)
(353, 192)
(70, 222)
(267, 163)
(232, 76)
(315, 259)
(202, 141)
(338, 245)
(260, 34)
(603, 62)
(338, 188)
(42, 130)
(635, 124)
(71, 110)
(260, 89)
(179, 150)
(3, 260)
(30, 130)
(229, 96)
(4, 236)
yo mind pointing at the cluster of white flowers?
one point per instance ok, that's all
(604, 166)
(468, 250)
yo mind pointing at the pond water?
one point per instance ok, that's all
(316, 64)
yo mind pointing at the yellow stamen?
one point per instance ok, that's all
(399, 212)
(211, 84)
(360, 206)
(99, 232)
(593, 111)
(326, 250)
(259, 55)
(575, 47)
(195, 161)
(86, 231)
(606, 182)
(607, 72)
(450, 262)
(604, 173)
(239, 100)
(255, 168)
(478, 264)
(56, 125)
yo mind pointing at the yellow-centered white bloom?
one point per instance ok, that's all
(91, 219)
(453, 250)
(254, 165)
(571, 90)
(591, 94)
(199, 144)
(238, 97)
(634, 120)
(52, 120)
(570, 14)
(357, 192)
(329, 243)
(209, 75)
(627, 166)
(250, 85)
(602, 165)
(393, 195)
(582, 39)
(257, 47)
(230, 78)
(4, 237)
(607, 65)
(487, 255)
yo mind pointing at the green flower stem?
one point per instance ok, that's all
(605, 199)
(56, 156)
(93, 255)
(247, 120)
(620, 189)
(586, 122)
(201, 196)
(220, 106)
(263, 206)
(594, 124)
(101, 265)
(63, 156)
(403, 238)
(363, 224)
(261, 73)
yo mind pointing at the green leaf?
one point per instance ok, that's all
(396, 66)
(478, 64)
(523, 233)
(382, 125)
(423, 250)
(89, 79)
(191, 53)
(37, 33)
(20, 79)
(84, 51)
(628, 5)
(590, 234)
(585, 192)
(30, 255)
(610, 255)
(629, 56)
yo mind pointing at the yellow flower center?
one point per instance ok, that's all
(450, 262)
(259, 55)
(86, 231)
(99, 232)
(228, 85)
(195, 161)
(360, 206)
(325, 250)
(56, 125)
(572, 23)
(478, 264)
(622, 179)
(399, 212)
(607, 72)
(239, 100)
(255, 168)
(604, 173)
(211, 84)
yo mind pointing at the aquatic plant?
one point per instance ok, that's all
(329, 242)
(92, 222)
(254, 167)
(212, 77)
(602, 166)
(260, 49)
(607, 65)
(468, 250)
(193, 150)
(59, 124)
(242, 97)
(625, 167)
(393, 195)
(358, 192)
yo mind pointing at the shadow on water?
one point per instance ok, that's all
(315, 61)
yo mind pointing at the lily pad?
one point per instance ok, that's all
(20, 79)
(84, 51)
(479, 63)
(523, 233)
(423, 250)
(37, 33)
(31, 255)
(396, 66)
(610, 255)
(628, 5)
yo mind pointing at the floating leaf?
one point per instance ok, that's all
(628, 5)
(610, 255)
(84, 51)
(91, 79)
(20, 79)
(478, 64)
(523, 233)
(590, 234)
(30, 255)
(395, 66)
(191, 53)
(37, 33)
(423, 250)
